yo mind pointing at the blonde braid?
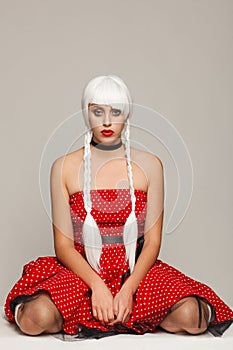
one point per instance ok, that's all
(130, 233)
(129, 166)
(90, 233)
(87, 171)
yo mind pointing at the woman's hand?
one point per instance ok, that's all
(102, 303)
(122, 305)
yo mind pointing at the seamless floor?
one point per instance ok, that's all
(11, 338)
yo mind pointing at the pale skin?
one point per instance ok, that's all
(108, 171)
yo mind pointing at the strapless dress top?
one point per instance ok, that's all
(110, 209)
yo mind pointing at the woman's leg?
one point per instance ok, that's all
(39, 315)
(186, 316)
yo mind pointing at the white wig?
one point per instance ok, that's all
(109, 90)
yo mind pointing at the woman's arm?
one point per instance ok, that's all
(102, 300)
(147, 258)
(152, 239)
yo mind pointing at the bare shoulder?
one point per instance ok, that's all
(146, 158)
(67, 162)
(152, 167)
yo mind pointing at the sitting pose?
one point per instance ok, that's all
(107, 212)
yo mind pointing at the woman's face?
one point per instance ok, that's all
(106, 123)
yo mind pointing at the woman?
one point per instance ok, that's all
(107, 208)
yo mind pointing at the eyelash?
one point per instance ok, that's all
(118, 111)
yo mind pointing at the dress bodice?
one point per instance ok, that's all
(110, 209)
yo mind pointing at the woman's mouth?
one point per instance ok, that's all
(107, 133)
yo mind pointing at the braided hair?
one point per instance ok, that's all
(100, 90)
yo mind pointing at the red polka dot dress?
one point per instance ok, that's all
(161, 288)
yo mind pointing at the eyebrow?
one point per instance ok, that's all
(96, 104)
(101, 106)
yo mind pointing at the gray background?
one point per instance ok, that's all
(176, 57)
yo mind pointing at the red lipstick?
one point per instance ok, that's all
(107, 132)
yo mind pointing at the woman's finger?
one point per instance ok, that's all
(115, 308)
(126, 316)
(94, 312)
(99, 315)
(105, 316)
(119, 316)
(110, 315)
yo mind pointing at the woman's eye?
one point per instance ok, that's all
(116, 112)
(97, 112)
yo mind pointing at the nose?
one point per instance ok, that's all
(107, 119)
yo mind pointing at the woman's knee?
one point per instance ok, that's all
(194, 322)
(39, 316)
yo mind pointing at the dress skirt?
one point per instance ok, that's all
(160, 289)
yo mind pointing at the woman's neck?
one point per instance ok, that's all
(106, 147)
